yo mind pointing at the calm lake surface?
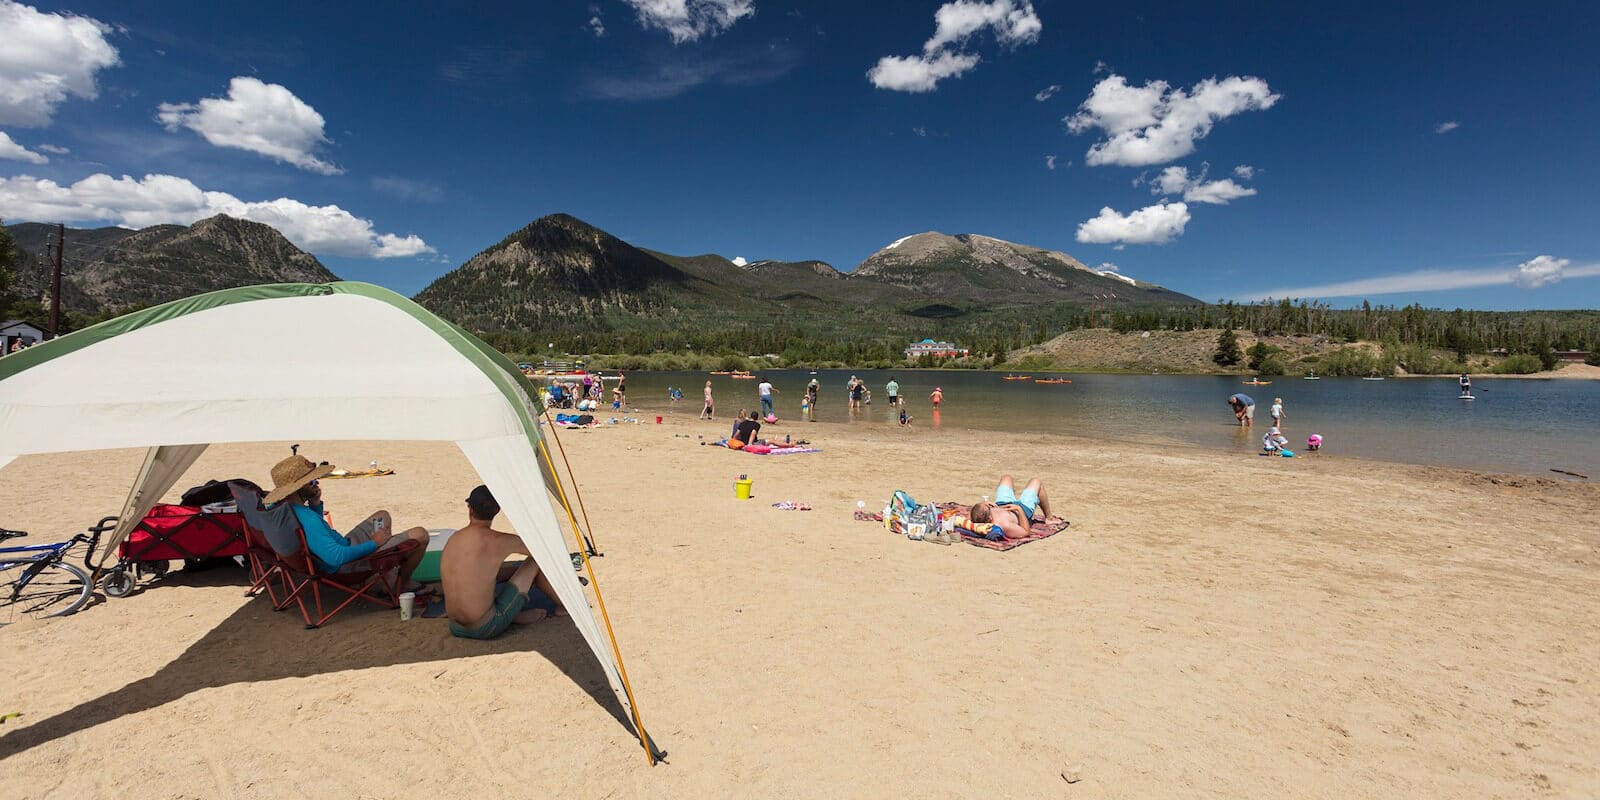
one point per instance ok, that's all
(1526, 426)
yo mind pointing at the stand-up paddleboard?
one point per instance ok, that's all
(1467, 397)
(1372, 379)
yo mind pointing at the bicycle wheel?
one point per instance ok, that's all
(55, 591)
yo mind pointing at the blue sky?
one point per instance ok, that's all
(1433, 152)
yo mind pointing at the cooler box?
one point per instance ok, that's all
(428, 570)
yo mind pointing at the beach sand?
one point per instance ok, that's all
(1212, 625)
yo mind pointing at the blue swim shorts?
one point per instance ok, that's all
(1027, 501)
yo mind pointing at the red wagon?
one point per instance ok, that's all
(172, 533)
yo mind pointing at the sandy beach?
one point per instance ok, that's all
(1212, 625)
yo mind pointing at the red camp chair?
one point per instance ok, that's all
(377, 580)
(281, 563)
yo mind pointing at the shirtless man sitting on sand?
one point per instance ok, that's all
(484, 595)
(1011, 512)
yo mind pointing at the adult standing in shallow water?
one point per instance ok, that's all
(1244, 409)
(856, 387)
(765, 390)
(709, 412)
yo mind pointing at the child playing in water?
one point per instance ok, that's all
(937, 397)
(1273, 441)
(1277, 412)
(905, 419)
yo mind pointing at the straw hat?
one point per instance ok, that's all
(292, 473)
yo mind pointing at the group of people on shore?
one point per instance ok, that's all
(483, 594)
(855, 389)
(588, 391)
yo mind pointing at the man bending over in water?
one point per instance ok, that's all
(1011, 512)
(481, 598)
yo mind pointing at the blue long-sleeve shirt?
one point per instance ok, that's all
(328, 546)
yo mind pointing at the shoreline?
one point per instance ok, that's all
(1566, 372)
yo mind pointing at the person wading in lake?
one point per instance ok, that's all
(709, 412)
(1244, 409)
(765, 390)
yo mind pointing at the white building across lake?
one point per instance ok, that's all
(929, 347)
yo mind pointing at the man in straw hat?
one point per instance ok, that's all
(295, 478)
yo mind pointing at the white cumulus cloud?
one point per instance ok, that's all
(1539, 271)
(739, 261)
(919, 73)
(44, 58)
(1156, 123)
(263, 118)
(16, 152)
(1446, 127)
(1050, 162)
(1047, 92)
(1177, 181)
(1013, 22)
(159, 199)
(1157, 224)
(688, 20)
(1244, 171)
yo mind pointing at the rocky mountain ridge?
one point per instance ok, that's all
(106, 270)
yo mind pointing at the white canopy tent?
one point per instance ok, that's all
(336, 361)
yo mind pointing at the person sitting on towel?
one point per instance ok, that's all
(1011, 512)
(483, 595)
(295, 478)
(744, 433)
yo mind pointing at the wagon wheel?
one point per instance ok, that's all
(117, 583)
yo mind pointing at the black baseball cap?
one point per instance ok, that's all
(483, 502)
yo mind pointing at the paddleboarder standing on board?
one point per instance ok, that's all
(1466, 385)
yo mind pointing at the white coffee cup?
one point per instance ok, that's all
(408, 601)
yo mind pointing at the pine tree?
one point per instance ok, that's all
(1227, 349)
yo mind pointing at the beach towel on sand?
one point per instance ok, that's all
(1039, 530)
(364, 473)
(769, 450)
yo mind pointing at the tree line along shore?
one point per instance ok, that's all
(1196, 352)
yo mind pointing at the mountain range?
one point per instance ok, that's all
(108, 270)
(559, 274)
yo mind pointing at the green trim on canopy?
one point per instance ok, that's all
(77, 340)
(491, 361)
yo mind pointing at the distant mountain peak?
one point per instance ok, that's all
(977, 265)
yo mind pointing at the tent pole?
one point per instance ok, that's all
(594, 583)
(588, 531)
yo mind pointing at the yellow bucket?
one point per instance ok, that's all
(741, 488)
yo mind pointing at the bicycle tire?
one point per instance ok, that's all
(48, 594)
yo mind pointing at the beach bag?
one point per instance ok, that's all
(905, 517)
(212, 492)
(897, 514)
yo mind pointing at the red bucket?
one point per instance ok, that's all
(658, 419)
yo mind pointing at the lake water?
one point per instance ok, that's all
(1513, 425)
